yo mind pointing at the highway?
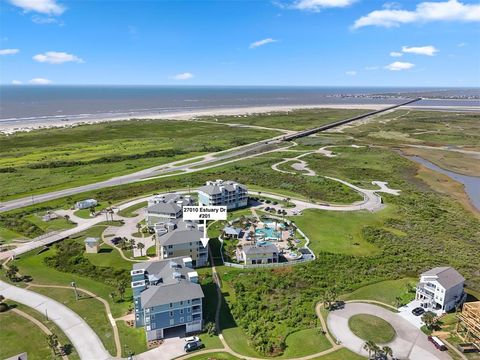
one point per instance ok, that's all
(254, 148)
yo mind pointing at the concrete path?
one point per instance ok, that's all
(410, 342)
(82, 337)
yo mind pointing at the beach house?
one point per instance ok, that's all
(181, 238)
(441, 288)
(167, 298)
(223, 193)
(258, 254)
(164, 207)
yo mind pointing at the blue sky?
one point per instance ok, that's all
(290, 42)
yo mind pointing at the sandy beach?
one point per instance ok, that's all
(7, 127)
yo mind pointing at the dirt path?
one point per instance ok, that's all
(118, 345)
(42, 327)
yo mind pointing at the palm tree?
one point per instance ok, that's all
(369, 346)
(387, 351)
(3, 306)
(67, 218)
(92, 211)
(12, 273)
(139, 226)
(430, 319)
(141, 246)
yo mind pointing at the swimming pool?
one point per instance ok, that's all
(263, 243)
(268, 234)
(272, 223)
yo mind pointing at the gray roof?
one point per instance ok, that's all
(91, 240)
(180, 236)
(168, 288)
(229, 230)
(216, 187)
(447, 276)
(181, 291)
(164, 208)
(264, 249)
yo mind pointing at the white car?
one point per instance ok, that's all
(192, 339)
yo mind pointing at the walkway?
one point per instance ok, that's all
(410, 342)
(82, 337)
(42, 327)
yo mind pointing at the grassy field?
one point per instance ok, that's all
(292, 120)
(420, 127)
(391, 292)
(90, 309)
(133, 340)
(341, 232)
(131, 211)
(371, 328)
(12, 326)
(46, 160)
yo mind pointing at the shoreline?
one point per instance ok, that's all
(182, 115)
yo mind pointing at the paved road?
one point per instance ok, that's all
(82, 337)
(410, 342)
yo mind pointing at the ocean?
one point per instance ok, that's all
(26, 105)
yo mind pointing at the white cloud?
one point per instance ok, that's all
(16, 82)
(54, 57)
(262, 42)
(49, 7)
(451, 10)
(45, 20)
(183, 76)
(420, 50)
(398, 65)
(317, 5)
(9, 51)
(351, 73)
(396, 54)
(40, 81)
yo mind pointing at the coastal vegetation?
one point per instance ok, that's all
(291, 120)
(51, 159)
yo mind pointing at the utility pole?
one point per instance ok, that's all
(74, 285)
(46, 314)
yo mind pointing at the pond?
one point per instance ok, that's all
(470, 183)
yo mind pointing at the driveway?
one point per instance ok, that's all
(170, 349)
(82, 337)
(406, 313)
(410, 342)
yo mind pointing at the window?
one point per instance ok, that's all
(182, 319)
(153, 326)
(170, 246)
(171, 305)
(181, 311)
(172, 321)
(181, 302)
(189, 310)
(189, 318)
(171, 313)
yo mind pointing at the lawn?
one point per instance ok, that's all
(131, 211)
(15, 331)
(305, 342)
(133, 340)
(391, 292)
(109, 257)
(47, 160)
(90, 309)
(62, 338)
(342, 354)
(214, 356)
(341, 232)
(371, 328)
(52, 225)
